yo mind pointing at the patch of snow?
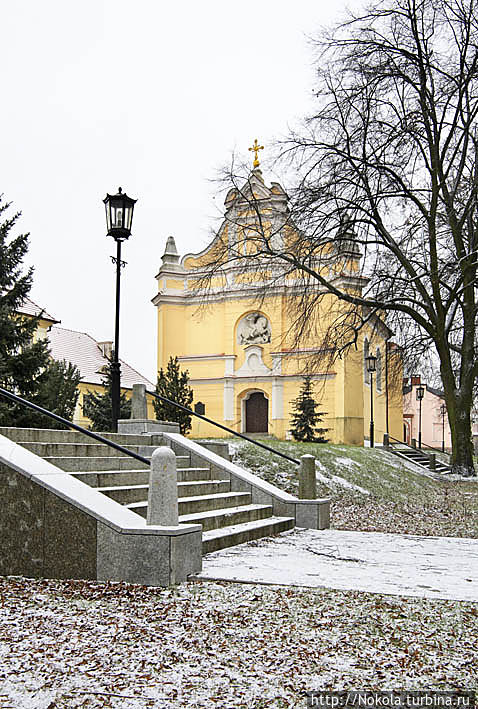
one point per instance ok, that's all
(428, 567)
(351, 486)
(347, 462)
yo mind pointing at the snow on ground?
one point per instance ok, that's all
(72, 644)
(428, 567)
(347, 462)
(347, 484)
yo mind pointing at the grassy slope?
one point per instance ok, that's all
(400, 498)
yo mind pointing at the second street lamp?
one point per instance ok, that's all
(119, 218)
(420, 395)
(371, 364)
(443, 412)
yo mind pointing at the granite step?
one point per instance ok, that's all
(110, 478)
(82, 450)
(75, 464)
(126, 494)
(240, 533)
(215, 519)
(43, 435)
(200, 503)
(420, 458)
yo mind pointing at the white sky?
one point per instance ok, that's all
(153, 96)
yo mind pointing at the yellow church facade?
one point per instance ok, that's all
(244, 364)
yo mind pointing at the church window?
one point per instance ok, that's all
(379, 370)
(366, 352)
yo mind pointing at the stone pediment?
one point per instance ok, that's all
(240, 209)
(254, 365)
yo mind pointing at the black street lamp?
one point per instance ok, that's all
(119, 217)
(442, 413)
(371, 363)
(420, 395)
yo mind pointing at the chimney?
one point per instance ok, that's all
(106, 348)
(415, 381)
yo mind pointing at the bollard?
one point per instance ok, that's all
(414, 442)
(386, 440)
(163, 489)
(307, 485)
(139, 408)
(432, 461)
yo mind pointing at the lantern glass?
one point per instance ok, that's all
(371, 363)
(420, 393)
(119, 214)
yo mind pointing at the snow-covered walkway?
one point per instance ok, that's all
(430, 567)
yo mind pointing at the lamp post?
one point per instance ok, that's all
(371, 363)
(119, 217)
(443, 412)
(420, 395)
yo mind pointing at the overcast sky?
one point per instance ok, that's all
(151, 96)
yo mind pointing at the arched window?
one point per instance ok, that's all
(379, 370)
(366, 352)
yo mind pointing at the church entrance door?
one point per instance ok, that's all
(257, 413)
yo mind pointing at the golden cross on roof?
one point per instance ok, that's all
(256, 147)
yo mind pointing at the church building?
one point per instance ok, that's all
(244, 365)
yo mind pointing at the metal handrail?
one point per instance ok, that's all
(437, 450)
(74, 426)
(122, 449)
(404, 443)
(225, 428)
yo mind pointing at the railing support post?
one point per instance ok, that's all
(432, 461)
(386, 441)
(163, 489)
(307, 480)
(139, 407)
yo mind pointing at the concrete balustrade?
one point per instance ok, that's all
(163, 489)
(307, 478)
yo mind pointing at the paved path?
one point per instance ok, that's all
(431, 567)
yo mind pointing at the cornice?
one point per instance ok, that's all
(260, 378)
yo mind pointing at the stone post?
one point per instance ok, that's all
(307, 485)
(432, 461)
(386, 440)
(163, 489)
(414, 442)
(139, 407)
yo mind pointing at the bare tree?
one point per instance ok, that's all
(387, 170)
(394, 145)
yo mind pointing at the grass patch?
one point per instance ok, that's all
(371, 489)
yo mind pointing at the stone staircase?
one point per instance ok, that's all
(420, 457)
(228, 517)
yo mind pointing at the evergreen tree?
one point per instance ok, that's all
(306, 416)
(173, 385)
(58, 392)
(97, 407)
(21, 360)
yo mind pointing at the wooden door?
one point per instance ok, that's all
(257, 413)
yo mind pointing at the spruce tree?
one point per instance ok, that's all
(173, 385)
(21, 360)
(58, 392)
(97, 407)
(306, 416)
